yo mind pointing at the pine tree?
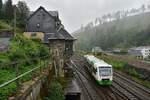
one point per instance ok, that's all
(1, 6)
(9, 10)
(22, 13)
(143, 8)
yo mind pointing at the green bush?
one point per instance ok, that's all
(23, 48)
(4, 26)
(23, 51)
(43, 51)
(7, 74)
(119, 65)
(7, 91)
(133, 72)
(55, 91)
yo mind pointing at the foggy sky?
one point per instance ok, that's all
(73, 13)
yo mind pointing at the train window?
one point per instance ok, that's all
(105, 71)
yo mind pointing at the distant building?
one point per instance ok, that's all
(140, 52)
(116, 50)
(96, 49)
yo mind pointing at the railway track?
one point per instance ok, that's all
(85, 80)
(122, 89)
(105, 93)
(138, 91)
(112, 93)
(128, 79)
(81, 79)
(83, 86)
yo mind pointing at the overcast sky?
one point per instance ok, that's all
(73, 13)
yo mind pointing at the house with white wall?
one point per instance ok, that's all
(96, 49)
(140, 52)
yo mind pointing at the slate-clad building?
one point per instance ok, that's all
(48, 23)
(42, 21)
(54, 35)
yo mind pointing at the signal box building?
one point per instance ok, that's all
(54, 35)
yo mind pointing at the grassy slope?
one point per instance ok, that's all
(5, 26)
(21, 49)
(127, 32)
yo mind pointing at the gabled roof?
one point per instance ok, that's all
(53, 14)
(66, 35)
(56, 34)
(60, 35)
(53, 36)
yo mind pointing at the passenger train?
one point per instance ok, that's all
(100, 70)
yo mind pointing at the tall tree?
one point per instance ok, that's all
(109, 16)
(22, 13)
(148, 6)
(96, 21)
(104, 18)
(143, 8)
(1, 6)
(82, 27)
(9, 10)
(117, 15)
(100, 21)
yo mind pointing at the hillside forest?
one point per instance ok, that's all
(123, 29)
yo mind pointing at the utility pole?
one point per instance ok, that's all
(15, 20)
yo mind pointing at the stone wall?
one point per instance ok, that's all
(68, 49)
(57, 49)
(37, 88)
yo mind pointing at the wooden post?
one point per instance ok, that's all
(15, 21)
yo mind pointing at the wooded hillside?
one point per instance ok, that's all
(121, 33)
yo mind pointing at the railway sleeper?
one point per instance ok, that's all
(131, 90)
(125, 92)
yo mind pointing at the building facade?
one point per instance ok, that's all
(54, 35)
(42, 21)
(96, 50)
(140, 52)
(34, 35)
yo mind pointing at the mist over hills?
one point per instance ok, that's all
(120, 33)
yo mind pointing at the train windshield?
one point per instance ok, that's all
(105, 71)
